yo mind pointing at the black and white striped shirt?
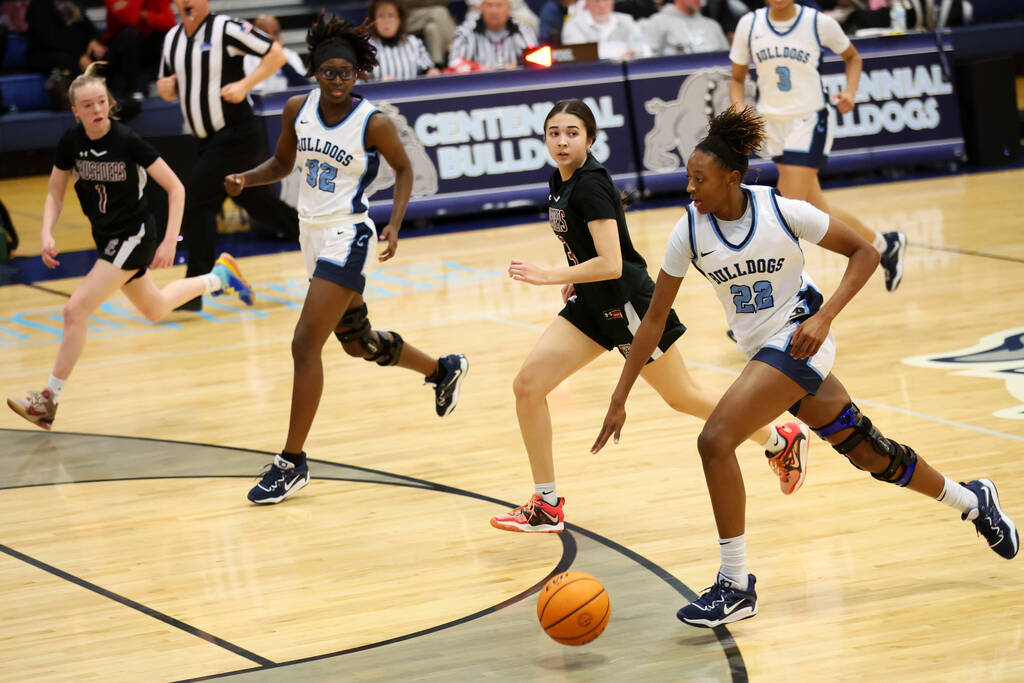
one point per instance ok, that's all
(207, 61)
(406, 59)
(493, 49)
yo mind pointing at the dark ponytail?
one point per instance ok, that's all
(733, 136)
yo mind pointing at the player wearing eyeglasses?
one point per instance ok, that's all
(338, 137)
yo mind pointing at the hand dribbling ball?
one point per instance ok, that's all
(573, 608)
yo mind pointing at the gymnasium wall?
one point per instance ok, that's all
(476, 141)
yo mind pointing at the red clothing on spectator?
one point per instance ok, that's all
(120, 13)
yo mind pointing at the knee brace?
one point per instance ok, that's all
(899, 456)
(384, 348)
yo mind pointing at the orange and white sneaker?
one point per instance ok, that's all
(38, 408)
(534, 517)
(791, 462)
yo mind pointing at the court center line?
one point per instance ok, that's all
(148, 611)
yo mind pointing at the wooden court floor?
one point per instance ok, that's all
(129, 552)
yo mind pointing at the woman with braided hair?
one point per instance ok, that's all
(337, 137)
(745, 241)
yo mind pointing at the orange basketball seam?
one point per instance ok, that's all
(594, 597)
(559, 590)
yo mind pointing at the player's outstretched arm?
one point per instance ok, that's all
(644, 342)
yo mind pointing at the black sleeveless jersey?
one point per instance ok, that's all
(591, 195)
(110, 174)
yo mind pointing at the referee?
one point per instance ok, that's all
(201, 66)
(494, 41)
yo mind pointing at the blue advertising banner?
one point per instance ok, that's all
(906, 111)
(476, 141)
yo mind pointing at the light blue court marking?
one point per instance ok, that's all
(384, 282)
(12, 333)
(95, 325)
(295, 295)
(21, 319)
(129, 312)
(240, 312)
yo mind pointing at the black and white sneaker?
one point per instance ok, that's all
(990, 520)
(446, 390)
(280, 480)
(892, 259)
(723, 603)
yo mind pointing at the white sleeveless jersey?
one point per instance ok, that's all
(787, 62)
(336, 166)
(760, 281)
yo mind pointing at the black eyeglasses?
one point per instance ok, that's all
(346, 73)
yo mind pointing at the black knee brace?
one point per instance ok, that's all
(384, 348)
(899, 456)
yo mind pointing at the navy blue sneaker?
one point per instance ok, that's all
(990, 520)
(446, 389)
(280, 480)
(723, 603)
(892, 258)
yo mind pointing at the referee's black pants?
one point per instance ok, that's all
(232, 149)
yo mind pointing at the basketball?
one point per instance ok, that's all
(573, 608)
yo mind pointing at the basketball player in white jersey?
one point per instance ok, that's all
(337, 139)
(746, 241)
(785, 44)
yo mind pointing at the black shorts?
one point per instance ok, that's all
(129, 249)
(613, 327)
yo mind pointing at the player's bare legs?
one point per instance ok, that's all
(668, 376)
(325, 303)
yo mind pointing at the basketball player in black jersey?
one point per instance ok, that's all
(606, 290)
(110, 164)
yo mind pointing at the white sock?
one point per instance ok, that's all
(734, 560)
(54, 386)
(547, 492)
(958, 497)
(211, 283)
(775, 442)
(879, 243)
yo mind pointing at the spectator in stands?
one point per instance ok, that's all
(494, 41)
(431, 21)
(63, 42)
(616, 34)
(61, 36)
(400, 56)
(135, 29)
(680, 29)
(291, 75)
(638, 9)
(552, 16)
(518, 10)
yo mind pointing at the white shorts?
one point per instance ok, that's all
(341, 254)
(803, 141)
(809, 373)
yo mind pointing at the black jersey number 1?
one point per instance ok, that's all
(101, 190)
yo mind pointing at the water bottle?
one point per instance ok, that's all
(898, 15)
